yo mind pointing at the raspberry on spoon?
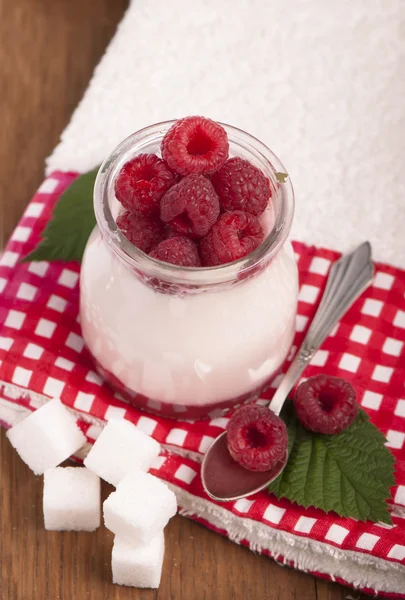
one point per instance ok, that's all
(142, 182)
(191, 207)
(195, 145)
(233, 236)
(143, 232)
(241, 186)
(257, 438)
(326, 404)
(179, 251)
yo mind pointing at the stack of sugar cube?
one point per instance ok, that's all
(141, 506)
(46, 438)
(136, 512)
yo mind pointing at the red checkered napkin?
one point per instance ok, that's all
(42, 355)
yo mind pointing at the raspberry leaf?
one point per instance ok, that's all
(66, 234)
(349, 473)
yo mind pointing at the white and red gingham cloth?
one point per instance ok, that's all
(42, 355)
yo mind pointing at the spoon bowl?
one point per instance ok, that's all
(224, 479)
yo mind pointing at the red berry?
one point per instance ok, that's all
(143, 232)
(326, 404)
(178, 251)
(241, 186)
(142, 182)
(257, 438)
(233, 236)
(195, 145)
(190, 207)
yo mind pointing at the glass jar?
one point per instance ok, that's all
(188, 342)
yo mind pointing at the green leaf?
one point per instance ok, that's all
(73, 220)
(349, 473)
(281, 177)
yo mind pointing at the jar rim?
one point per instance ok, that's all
(196, 276)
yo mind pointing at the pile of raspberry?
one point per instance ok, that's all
(194, 206)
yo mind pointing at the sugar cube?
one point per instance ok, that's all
(71, 499)
(138, 566)
(140, 508)
(120, 448)
(46, 437)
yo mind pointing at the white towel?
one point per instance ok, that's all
(321, 83)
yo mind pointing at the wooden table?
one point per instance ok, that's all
(48, 49)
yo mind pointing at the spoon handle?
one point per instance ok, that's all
(348, 278)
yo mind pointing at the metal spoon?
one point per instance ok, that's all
(222, 477)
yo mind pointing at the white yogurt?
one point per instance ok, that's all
(196, 349)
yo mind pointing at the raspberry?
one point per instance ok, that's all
(143, 232)
(233, 236)
(257, 438)
(191, 207)
(326, 404)
(241, 186)
(178, 251)
(142, 182)
(195, 145)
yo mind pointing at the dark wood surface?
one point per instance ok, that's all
(48, 49)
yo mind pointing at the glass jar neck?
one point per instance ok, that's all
(241, 144)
